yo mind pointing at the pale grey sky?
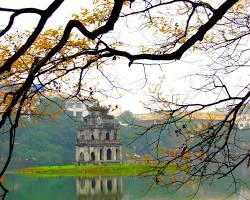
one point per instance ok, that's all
(175, 73)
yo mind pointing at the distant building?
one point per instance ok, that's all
(242, 120)
(97, 140)
(78, 108)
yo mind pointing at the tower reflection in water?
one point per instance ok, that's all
(99, 188)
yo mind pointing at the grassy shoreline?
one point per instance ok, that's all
(130, 169)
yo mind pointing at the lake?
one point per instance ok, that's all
(110, 188)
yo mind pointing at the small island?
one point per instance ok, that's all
(98, 149)
(128, 169)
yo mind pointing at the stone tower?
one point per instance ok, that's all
(97, 140)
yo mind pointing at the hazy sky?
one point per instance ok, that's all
(177, 81)
(60, 17)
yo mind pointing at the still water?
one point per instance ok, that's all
(109, 188)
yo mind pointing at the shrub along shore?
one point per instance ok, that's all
(130, 169)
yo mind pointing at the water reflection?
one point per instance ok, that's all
(109, 188)
(244, 194)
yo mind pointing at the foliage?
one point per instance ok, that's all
(49, 141)
(126, 117)
(98, 107)
(44, 140)
(59, 60)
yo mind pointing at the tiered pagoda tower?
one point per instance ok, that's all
(97, 140)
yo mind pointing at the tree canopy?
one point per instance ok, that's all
(37, 61)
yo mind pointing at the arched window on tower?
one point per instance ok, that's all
(117, 154)
(107, 136)
(92, 155)
(100, 154)
(92, 136)
(81, 156)
(109, 154)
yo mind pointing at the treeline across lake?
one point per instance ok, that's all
(51, 140)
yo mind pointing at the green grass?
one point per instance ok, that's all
(135, 169)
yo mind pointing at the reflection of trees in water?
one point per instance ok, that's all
(64, 188)
(109, 188)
